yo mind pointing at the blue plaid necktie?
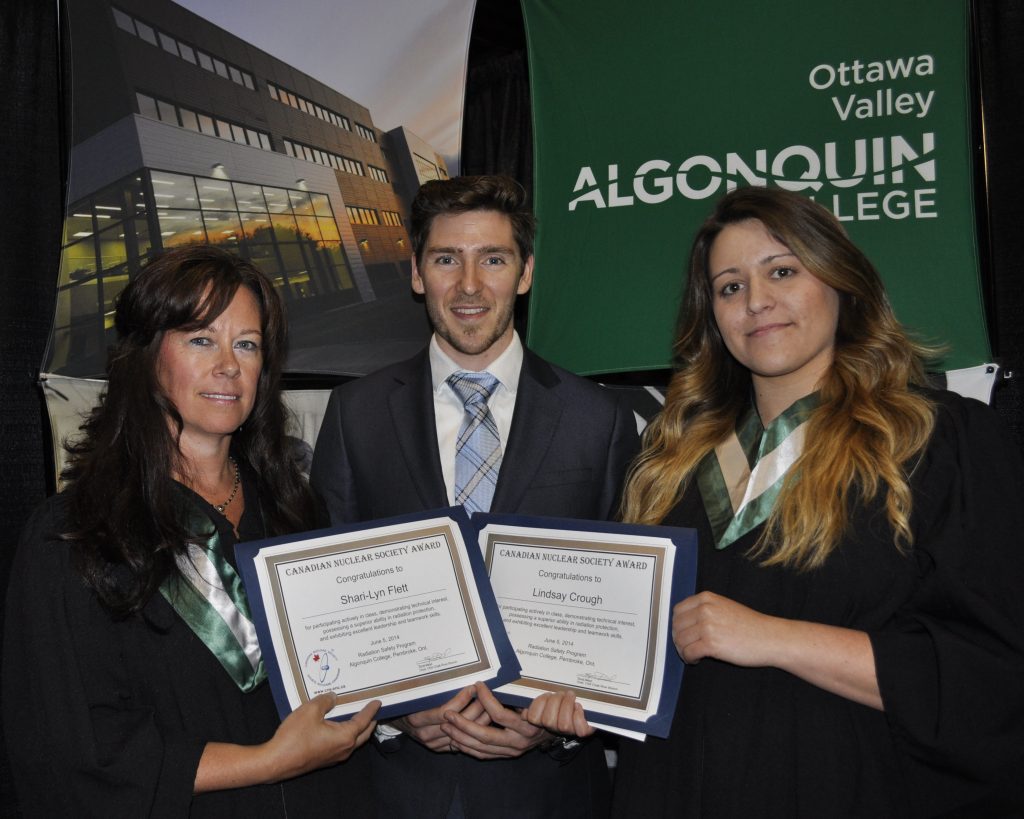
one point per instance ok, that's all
(478, 447)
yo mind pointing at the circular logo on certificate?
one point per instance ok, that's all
(322, 667)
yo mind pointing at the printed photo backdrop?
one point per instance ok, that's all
(293, 134)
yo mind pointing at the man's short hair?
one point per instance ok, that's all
(462, 194)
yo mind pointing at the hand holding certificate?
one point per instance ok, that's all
(403, 611)
(588, 609)
(395, 612)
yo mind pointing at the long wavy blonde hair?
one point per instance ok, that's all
(867, 428)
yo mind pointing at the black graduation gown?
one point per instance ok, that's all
(109, 719)
(946, 623)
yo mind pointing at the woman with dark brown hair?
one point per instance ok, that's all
(133, 683)
(856, 644)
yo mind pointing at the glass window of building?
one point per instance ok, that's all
(114, 204)
(215, 194)
(425, 169)
(147, 106)
(265, 257)
(189, 119)
(362, 216)
(256, 228)
(277, 199)
(309, 228)
(222, 226)
(284, 226)
(172, 46)
(206, 125)
(146, 32)
(108, 236)
(167, 112)
(329, 229)
(124, 21)
(112, 253)
(168, 43)
(249, 197)
(172, 190)
(321, 204)
(180, 227)
(301, 203)
(77, 225)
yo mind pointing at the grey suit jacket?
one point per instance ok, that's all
(567, 451)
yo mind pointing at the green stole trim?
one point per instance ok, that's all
(208, 595)
(741, 478)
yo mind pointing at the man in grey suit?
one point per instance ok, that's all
(559, 446)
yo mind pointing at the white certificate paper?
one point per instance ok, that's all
(391, 613)
(587, 611)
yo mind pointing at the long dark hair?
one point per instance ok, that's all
(124, 509)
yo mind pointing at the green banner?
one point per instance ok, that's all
(645, 115)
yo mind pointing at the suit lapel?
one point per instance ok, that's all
(534, 422)
(411, 404)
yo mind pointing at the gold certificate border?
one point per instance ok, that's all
(604, 547)
(345, 543)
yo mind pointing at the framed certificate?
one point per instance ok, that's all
(399, 610)
(588, 608)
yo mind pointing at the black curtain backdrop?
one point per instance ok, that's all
(31, 195)
(496, 138)
(1000, 65)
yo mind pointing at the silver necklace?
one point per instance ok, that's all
(220, 507)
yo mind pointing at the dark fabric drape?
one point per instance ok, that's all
(497, 120)
(31, 193)
(1000, 39)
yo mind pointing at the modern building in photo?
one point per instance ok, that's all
(182, 132)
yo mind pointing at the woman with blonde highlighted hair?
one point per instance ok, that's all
(856, 645)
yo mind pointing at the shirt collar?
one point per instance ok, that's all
(506, 367)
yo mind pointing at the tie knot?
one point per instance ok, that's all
(473, 388)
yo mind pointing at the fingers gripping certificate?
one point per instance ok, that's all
(393, 613)
(588, 608)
